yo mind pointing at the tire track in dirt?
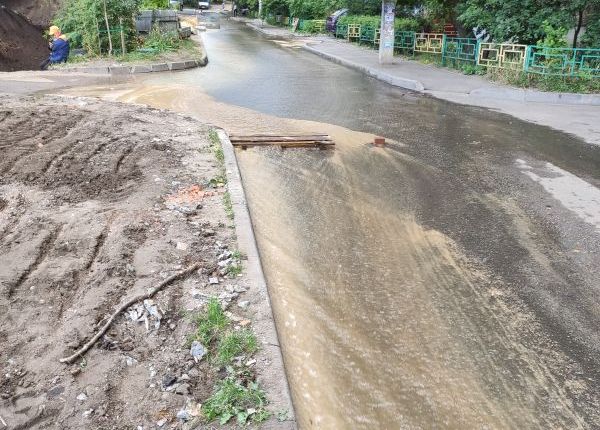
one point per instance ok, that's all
(19, 210)
(44, 248)
(122, 157)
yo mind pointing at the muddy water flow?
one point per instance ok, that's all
(429, 284)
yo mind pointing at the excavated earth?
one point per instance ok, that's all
(22, 46)
(99, 202)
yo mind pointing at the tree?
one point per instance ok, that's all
(81, 18)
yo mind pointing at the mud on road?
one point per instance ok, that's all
(86, 221)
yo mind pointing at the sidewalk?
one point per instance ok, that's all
(578, 114)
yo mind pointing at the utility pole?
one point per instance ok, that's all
(386, 41)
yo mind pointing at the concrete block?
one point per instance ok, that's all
(177, 65)
(190, 64)
(141, 69)
(164, 67)
(119, 70)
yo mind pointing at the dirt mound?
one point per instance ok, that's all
(39, 12)
(22, 45)
(84, 226)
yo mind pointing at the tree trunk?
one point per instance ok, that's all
(386, 40)
(578, 28)
(110, 47)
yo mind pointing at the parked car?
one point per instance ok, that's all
(204, 4)
(176, 4)
(333, 19)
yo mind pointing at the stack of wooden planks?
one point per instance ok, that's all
(321, 141)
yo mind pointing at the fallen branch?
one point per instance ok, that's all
(148, 295)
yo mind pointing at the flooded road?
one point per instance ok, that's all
(448, 280)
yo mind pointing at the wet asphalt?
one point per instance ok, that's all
(449, 280)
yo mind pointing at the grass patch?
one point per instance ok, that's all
(210, 324)
(563, 84)
(238, 395)
(233, 398)
(228, 205)
(234, 344)
(216, 147)
(234, 270)
(218, 181)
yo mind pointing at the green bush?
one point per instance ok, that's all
(400, 24)
(160, 41)
(84, 17)
(309, 26)
(313, 9)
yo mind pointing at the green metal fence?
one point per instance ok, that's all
(578, 62)
(563, 61)
(404, 41)
(460, 49)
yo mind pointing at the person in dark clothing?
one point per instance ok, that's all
(59, 48)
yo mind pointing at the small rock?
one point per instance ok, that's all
(168, 380)
(239, 289)
(87, 413)
(172, 326)
(197, 350)
(55, 391)
(224, 256)
(161, 422)
(194, 373)
(183, 389)
(213, 281)
(75, 371)
(82, 397)
(245, 323)
(243, 304)
(130, 361)
(183, 415)
(182, 246)
(197, 294)
(184, 377)
(208, 232)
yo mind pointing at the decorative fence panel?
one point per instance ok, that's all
(460, 49)
(502, 55)
(432, 43)
(563, 61)
(404, 41)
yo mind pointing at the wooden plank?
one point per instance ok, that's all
(277, 138)
(289, 144)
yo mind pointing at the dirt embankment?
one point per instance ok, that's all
(39, 12)
(22, 45)
(98, 203)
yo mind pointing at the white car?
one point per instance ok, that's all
(204, 4)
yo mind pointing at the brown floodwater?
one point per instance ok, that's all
(412, 285)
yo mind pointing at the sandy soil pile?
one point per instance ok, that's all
(39, 12)
(98, 203)
(22, 45)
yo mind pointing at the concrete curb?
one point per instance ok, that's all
(139, 68)
(270, 35)
(533, 96)
(273, 378)
(408, 84)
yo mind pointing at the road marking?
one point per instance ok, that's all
(574, 193)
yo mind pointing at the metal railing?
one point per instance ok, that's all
(460, 49)
(563, 61)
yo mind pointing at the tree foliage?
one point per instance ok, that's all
(83, 20)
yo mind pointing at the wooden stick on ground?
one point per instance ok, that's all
(151, 293)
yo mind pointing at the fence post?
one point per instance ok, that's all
(526, 59)
(443, 50)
